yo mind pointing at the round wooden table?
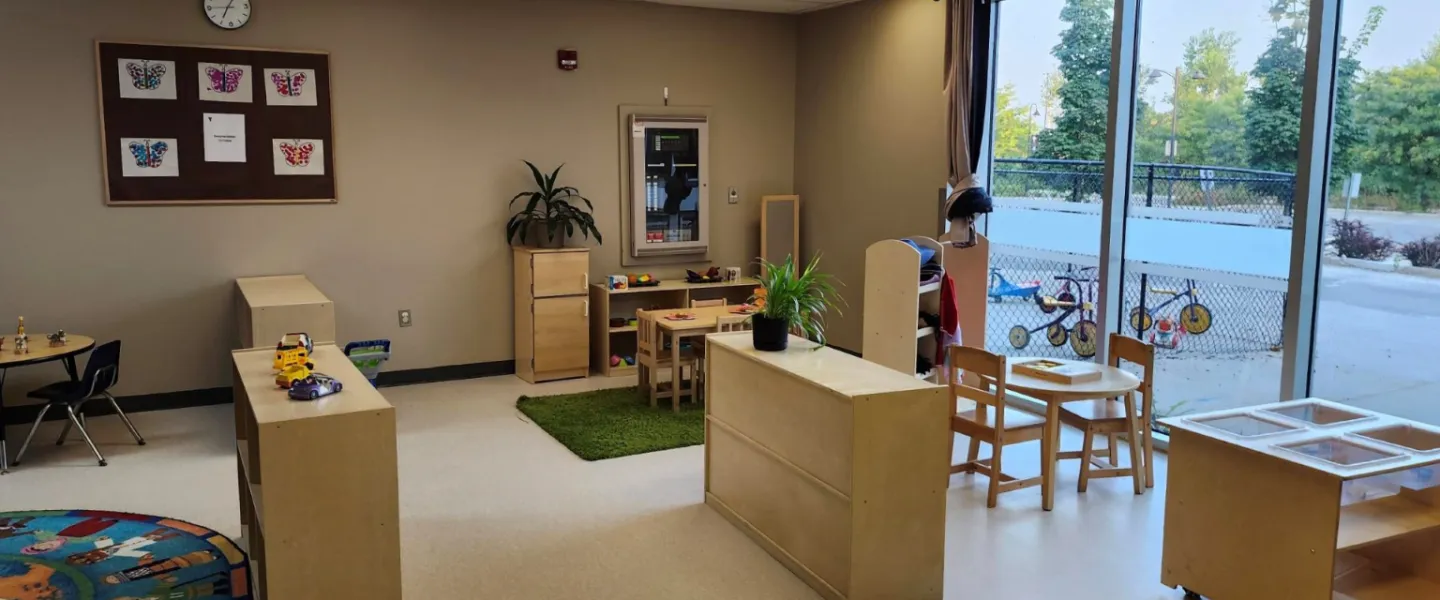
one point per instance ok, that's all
(40, 352)
(1113, 382)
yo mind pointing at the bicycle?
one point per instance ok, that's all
(1195, 317)
(1083, 336)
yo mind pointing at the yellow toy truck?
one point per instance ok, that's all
(292, 359)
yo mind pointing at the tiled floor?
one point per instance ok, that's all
(493, 508)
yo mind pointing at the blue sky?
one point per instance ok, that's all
(1030, 28)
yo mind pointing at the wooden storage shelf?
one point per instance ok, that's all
(1240, 492)
(269, 307)
(1382, 519)
(319, 478)
(834, 465)
(606, 304)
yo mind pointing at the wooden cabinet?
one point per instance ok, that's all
(318, 484)
(552, 312)
(270, 307)
(834, 465)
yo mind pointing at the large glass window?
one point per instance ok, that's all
(1208, 221)
(1051, 117)
(1379, 298)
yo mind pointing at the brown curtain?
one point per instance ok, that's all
(959, 66)
(967, 74)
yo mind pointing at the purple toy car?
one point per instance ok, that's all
(314, 386)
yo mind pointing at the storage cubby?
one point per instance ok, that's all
(895, 297)
(1334, 477)
(607, 338)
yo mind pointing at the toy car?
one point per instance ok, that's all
(291, 374)
(314, 386)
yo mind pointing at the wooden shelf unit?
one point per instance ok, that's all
(894, 299)
(1233, 499)
(606, 304)
(551, 313)
(318, 479)
(267, 308)
(834, 465)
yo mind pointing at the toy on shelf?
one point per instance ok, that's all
(641, 280)
(367, 356)
(22, 341)
(292, 359)
(618, 282)
(615, 360)
(58, 338)
(711, 276)
(314, 386)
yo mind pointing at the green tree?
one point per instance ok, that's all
(1400, 109)
(1013, 125)
(1084, 54)
(1272, 114)
(1211, 102)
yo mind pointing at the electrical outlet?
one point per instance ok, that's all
(405, 317)
(734, 196)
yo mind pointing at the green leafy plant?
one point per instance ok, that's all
(800, 298)
(551, 209)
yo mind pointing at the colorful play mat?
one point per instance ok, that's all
(99, 555)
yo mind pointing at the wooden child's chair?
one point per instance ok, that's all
(707, 303)
(1002, 428)
(1117, 418)
(651, 355)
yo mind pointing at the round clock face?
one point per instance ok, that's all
(227, 14)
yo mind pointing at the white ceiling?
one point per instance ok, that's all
(775, 6)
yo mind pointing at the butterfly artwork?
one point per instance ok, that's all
(146, 75)
(299, 157)
(288, 84)
(291, 87)
(297, 154)
(147, 79)
(149, 155)
(225, 79)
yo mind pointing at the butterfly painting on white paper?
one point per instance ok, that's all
(149, 157)
(147, 79)
(226, 83)
(299, 157)
(290, 87)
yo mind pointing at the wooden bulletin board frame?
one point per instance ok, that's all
(199, 182)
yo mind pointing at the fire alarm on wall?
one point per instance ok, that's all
(569, 59)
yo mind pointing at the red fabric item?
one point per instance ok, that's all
(949, 319)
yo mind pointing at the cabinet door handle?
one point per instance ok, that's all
(587, 307)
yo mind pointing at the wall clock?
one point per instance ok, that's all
(227, 14)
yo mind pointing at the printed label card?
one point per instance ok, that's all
(299, 157)
(224, 137)
(226, 83)
(290, 87)
(147, 79)
(149, 157)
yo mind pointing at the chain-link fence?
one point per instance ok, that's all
(1268, 194)
(1047, 308)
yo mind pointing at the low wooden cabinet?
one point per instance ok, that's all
(270, 307)
(552, 313)
(318, 483)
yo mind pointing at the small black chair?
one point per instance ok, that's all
(102, 372)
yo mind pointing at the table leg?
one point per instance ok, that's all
(1049, 450)
(675, 372)
(4, 456)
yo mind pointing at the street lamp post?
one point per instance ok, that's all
(1174, 148)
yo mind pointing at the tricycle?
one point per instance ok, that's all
(1002, 288)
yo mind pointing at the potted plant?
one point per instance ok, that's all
(793, 300)
(549, 215)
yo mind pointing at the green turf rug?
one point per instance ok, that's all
(615, 422)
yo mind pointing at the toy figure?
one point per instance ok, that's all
(292, 359)
(1166, 334)
(58, 338)
(22, 341)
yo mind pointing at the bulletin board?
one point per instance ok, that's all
(214, 125)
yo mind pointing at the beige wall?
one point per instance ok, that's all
(869, 136)
(435, 105)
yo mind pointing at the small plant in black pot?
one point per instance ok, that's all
(794, 300)
(549, 217)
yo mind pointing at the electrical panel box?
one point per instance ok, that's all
(669, 186)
